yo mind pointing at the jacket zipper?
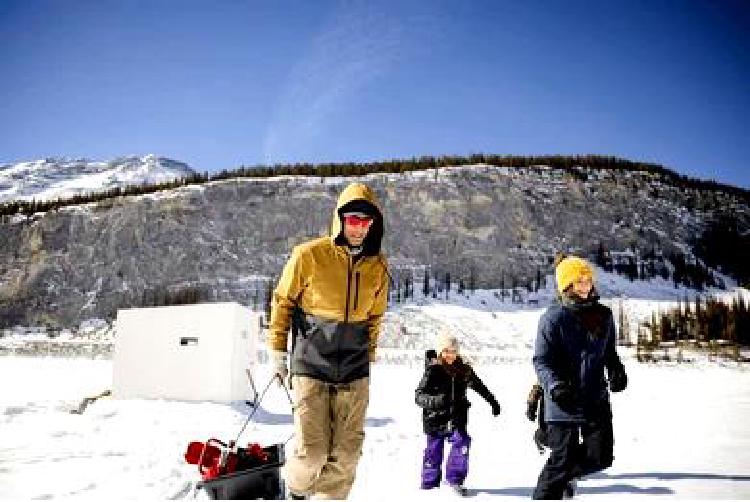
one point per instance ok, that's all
(348, 288)
(453, 396)
(356, 290)
(346, 312)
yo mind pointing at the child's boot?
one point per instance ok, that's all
(459, 490)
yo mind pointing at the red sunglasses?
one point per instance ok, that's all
(357, 221)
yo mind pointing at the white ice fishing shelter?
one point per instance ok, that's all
(189, 352)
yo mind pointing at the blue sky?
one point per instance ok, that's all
(219, 83)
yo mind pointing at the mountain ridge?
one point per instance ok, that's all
(64, 177)
(578, 166)
(229, 238)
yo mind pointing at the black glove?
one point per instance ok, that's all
(541, 439)
(495, 408)
(531, 410)
(564, 396)
(618, 379)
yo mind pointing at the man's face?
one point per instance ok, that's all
(356, 228)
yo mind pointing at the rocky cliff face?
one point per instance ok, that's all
(58, 268)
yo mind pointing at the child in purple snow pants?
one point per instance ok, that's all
(457, 465)
(441, 394)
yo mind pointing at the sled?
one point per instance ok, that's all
(231, 472)
(238, 473)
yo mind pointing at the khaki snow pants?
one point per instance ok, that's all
(329, 424)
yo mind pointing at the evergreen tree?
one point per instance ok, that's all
(698, 331)
(624, 337)
(632, 269)
(654, 328)
(725, 243)
(603, 259)
(665, 328)
(502, 286)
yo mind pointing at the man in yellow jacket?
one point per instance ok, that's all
(336, 289)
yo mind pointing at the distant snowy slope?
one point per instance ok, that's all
(498, 330)
(54, 178)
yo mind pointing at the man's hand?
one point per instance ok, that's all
(279, 361)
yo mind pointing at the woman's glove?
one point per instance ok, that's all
(618, 379)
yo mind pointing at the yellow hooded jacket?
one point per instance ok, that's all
(343, 299)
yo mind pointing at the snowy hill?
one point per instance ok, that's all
(54, 178)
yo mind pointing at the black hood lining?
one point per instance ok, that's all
(371, 244)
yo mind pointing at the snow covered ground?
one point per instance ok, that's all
(681, 431)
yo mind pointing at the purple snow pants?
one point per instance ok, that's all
(457, 465)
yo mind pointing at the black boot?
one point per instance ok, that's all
(570, 489)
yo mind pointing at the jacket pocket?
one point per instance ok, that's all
(311, 333)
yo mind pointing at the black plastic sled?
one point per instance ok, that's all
(250, 480)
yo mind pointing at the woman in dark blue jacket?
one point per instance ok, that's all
(574, 345)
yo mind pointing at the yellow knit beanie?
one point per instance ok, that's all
(569, 269)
